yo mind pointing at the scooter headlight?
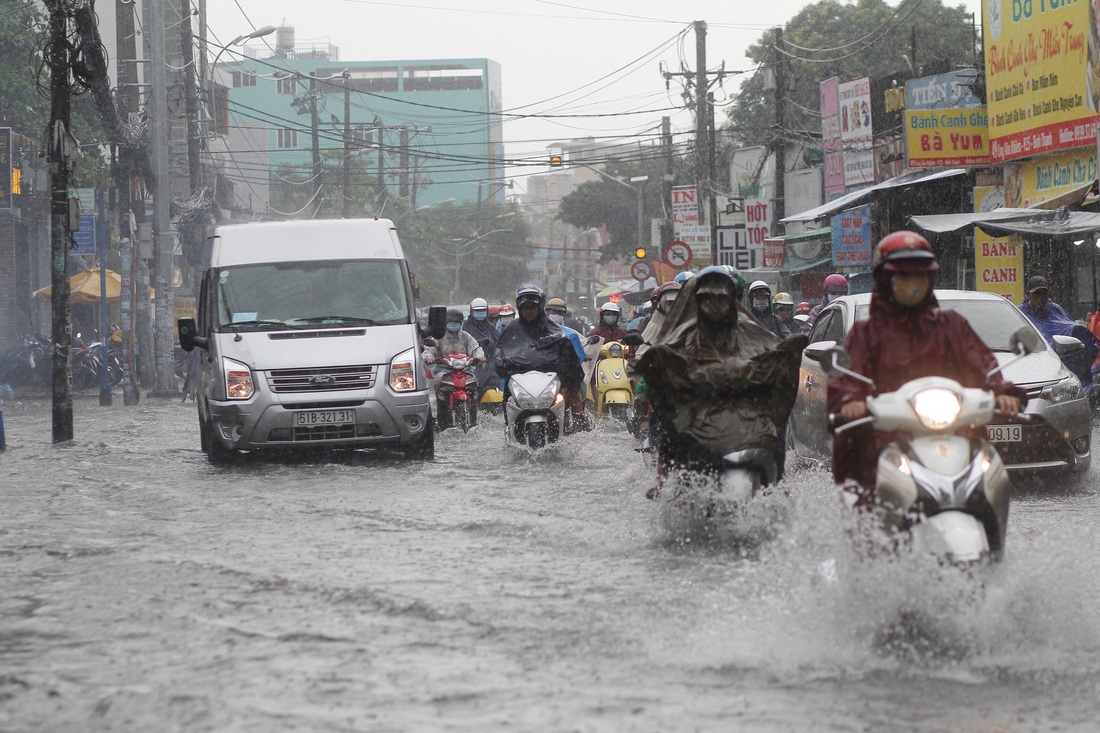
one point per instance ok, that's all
(615, 351)
(238, 380)
(937, 408)
(1064, 390)
(526, 400)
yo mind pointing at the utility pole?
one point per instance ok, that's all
(162, 223)
(403, 163)
(313, 124)
(380, 197)
(701, 141)
(666, 188)
(197, 231)
(779, 143)
(346, 208)
(131, 209)
(60, 308)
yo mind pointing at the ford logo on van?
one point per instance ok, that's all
(322, 379)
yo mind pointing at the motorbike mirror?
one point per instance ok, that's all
(633, 339)
(483, 343)
(817, 350)
(836, 361)
(1067, 346)
(1025, 341)
(437, 321)
(594, 340)
(429, 341)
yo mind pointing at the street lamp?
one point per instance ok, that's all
(425, 207)
(267, 30)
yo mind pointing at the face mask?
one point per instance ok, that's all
(480, 315)
(454, 327)
(557, 318)
(760, 304)
(500, 326)
(666, 304)
(715, 308)
(910, 288)
(611, 319)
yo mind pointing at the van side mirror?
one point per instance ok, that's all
(437, 321)
(188, 334)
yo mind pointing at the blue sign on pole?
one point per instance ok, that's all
(852, 237)
(85, 238)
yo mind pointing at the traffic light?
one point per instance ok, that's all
(555, 161)
(640, 253)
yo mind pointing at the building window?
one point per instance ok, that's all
(286, 85)
(288, 137)
(244, 79)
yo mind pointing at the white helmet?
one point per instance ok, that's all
(479, 304)
(611, 307)
(759, 285)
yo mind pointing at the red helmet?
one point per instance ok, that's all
(905, 251)
(836, 281)
(803, 308)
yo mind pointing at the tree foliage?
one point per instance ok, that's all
(866, 38)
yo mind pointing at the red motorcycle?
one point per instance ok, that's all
(457, 399)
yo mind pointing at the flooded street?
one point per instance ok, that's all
(144, 589)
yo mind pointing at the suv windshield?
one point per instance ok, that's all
(994, 321)
(311, 294)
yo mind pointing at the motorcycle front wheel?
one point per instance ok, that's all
(536, 435)
(461, 416)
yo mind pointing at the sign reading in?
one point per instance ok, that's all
(852, 237)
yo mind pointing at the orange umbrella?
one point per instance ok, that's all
(84, 287)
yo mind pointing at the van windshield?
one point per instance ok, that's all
(331, 293)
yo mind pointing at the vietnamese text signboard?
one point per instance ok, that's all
(855, 132)
(1042, 76)
(828, 91)
(998, 261)
(945, 123)
(852, 237)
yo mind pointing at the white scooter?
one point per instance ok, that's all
(535, 410)
(948, 491)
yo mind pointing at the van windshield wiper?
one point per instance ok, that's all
(337, 319)
(264, 324)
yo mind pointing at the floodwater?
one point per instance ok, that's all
(143, 589)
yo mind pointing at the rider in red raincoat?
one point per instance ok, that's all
(907, 336)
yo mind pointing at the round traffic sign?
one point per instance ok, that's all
(678, 254)
(640, 270)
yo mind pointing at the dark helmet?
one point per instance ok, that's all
(454, 315)
(716, 280)
(905, 251)
(529, 293)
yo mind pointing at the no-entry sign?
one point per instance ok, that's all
(641, 270)
(678, 254)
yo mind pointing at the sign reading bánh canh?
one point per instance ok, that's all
(1034, 181)
(1042, 75)
(945, 122)
(998, 261)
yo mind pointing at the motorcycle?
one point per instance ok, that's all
(455, 403)
(535, 410)
(942, 486)
(613, 392)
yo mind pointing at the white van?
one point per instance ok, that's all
(308, 337)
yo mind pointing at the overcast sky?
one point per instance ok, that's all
(598, 57)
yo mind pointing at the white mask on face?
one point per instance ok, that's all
(760, 304)
(557, 318)
(611, 319)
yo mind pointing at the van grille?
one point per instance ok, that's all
(321, 379)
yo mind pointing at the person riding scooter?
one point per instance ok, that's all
(836, 285)
(533, 343)
(478, 326)
(906, 336)
(454, 341)
(718, 381)
(608, 328)
(760, 301)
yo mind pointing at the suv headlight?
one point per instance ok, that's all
(403, 371)
(1063, 391)
(937, 408)
(238, 380)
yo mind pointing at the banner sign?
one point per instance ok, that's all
(852, 237)
(85, 238)
(998, 261)
(945, 123)
(5, 168)
(774, 252)
(855, 132)
(830, 138)
(758, 222)
(1031, 182)
(1042, 76)
(687, 224)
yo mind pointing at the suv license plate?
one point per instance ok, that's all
(1004, 433)
(326, 417)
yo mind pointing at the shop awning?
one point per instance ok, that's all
(1073, 197)
(1034, 224)
(790, 264)
(855, 198)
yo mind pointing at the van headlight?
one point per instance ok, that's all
(403, 371)
(238, 380)
(1063, 390)
(937, 408)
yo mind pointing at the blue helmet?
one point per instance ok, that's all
(716, 279)
(683, 276)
